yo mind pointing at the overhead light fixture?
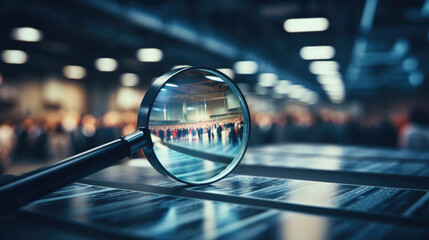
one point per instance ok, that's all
(317, 52)
(335, 92)
(416, 78)
(106, 64)
(267, 79)
(180, 66)
(149, 55)
(337, 87)
(312, 100)
(227, 71)
(27, 34)
(337, 101)
(329, 79)
(74, 72)
(309, 97)
(14, 56)
(281, 89)
(283, 82)
(306, 24)
(298, 93)
(129, 79)
(171, 85)
(214, 78)
(246, 67)
(336, 96)
(324, 67)
(410, 63)
(260, 90)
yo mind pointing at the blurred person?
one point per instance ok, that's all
(109, 129)
(7, 144)
(416, 134)
(161, 134)
(232, 135)
(325, 129)
(59, 143)
(219, 132)
(300, 128)
(32, 140)
(209, 133)
(385, 133)
(265, 128)
(168, 134)
(129, 120)
(341, 128)
(240, 131)
(279, 125)
(82, 138)
(22, 147)
(200, 131)
(356, 133)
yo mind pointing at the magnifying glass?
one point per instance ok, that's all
(193, 126)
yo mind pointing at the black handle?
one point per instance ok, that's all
(40, 182)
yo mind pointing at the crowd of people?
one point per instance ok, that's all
(56, 138)
(230, 128)
(338, 127)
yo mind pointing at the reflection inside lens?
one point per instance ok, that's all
(197, 127)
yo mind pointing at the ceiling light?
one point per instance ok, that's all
(416, 78)
(337, 100)
(106, 64)
(14, 56)
(306, 24)
(335, 95)
(267, 79)
(298, 93)
(309, 97)
(246, 67)
(129, 79)
(227, 71)
(324, 67)
(283, 82)
(260, 90)
(149, 55)
(74, 72)
(410, 64)
(317, 52)
(334, 88)
(313, 100)
(295, 87)
(282, 89)
(329, 79)
(27, 34)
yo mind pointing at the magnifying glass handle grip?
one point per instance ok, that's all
(40, 182)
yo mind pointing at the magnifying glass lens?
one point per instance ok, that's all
(199, 125)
